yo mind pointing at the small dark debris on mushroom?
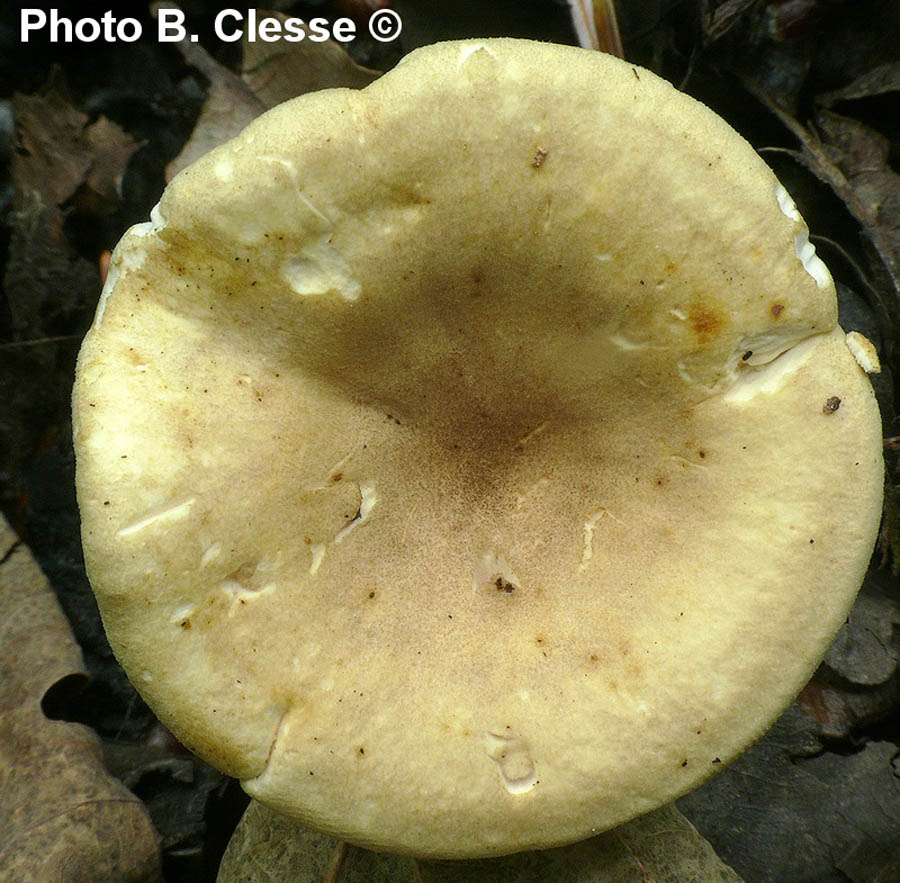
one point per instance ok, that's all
(831, 405)
(504, 585)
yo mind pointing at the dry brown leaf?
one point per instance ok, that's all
(858, 685)
(272, 73)
(787, 810)
(660, 846)
(62, 817)
(851, 158)
(276, 72)
(58, 158)
(724, 17)
(880, 80)
(51, 158)
(59, 153)
(866, 651)
(862, 155)
(841, 712)
(111, 147)
(269, 848)
(229, 107)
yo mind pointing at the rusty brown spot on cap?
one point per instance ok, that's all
(706, 321)
(776, 309)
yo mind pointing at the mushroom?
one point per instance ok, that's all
(453, 455)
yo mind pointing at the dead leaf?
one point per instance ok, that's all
(866, 651)
(880, 80)
(228, 109)
(841, 711)
(57, 156)
(111, 147)
(48, 291)
(787, 810)
(662, 845)
(858, 684)
(850, 158)
(862, 155)
(51, 158)
(62, 816)
(724, 17)
(59, 153)
(268, 848)
(272, 73)
(277, 72)
(181, 792)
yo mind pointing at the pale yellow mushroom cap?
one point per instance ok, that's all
(459, 460)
